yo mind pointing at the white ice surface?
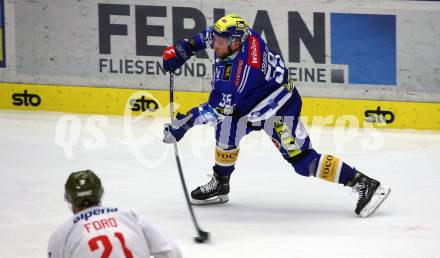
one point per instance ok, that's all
(273, 212)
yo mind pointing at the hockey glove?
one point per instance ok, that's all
(175, 56)
(175, 131)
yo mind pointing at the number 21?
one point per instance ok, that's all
(93, 244)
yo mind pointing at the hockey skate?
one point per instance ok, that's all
(214, 192)
(371, 194)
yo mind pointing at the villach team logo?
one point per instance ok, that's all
(2, 35)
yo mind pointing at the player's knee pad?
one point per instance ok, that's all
(333, 169)
(226, 157)
(326, 167)
(225, 160)
(305, 162)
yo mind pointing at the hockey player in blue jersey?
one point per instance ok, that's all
(251, 91)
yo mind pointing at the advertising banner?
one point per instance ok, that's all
(333, 49)
(2, 35)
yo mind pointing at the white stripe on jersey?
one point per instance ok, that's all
(255, 115)
(244, 79)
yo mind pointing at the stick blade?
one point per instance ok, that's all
(202, 238)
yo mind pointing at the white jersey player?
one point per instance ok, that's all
(96, 231)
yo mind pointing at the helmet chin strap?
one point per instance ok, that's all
(230, 52)
(230, 46)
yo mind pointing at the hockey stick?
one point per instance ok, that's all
(202, 235)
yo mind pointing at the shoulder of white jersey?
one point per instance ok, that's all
(58, 236)
(132, 214)
(65, 226)
(57, 233)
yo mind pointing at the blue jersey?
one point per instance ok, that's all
(253, 82)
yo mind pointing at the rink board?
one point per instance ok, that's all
(154, 103)
(333, 49)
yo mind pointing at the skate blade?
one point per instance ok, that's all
(378, 198)
(214, 200)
